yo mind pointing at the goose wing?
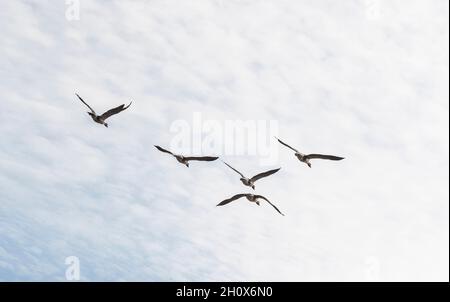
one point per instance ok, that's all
(323, 156)
(226, 201)
(163, 150)
(262, 197)
(287, 145)
(113, 111)
(264, 174)
(92, 110)
(234, 169)
(201, 158)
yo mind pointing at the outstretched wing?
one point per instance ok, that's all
(264, 174)
(92, 110)
(323, 156)
(201, 158)
(226, 201)
(234, 169)
(262, 197)
(287, 145)
(113, 111)
(163, 150)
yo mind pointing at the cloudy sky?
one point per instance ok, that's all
(364, 79)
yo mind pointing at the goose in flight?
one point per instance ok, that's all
(185, 159)
(251, 198)
(306, 157)
(101, 118)
(250, 182)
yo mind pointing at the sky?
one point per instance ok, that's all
(363, 79)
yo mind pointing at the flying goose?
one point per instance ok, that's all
(185, 160)
(251, 198)
(250, 182)
(101, 118)
(306, 157)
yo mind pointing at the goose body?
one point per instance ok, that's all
(250, 182)
(185, 159)
(247, 182)
(250, 197)
(101, 119)
(305, 158)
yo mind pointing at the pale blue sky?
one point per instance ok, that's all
(364, 79)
